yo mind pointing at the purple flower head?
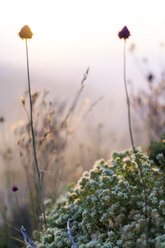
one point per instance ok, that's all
(150, 77)
(14, 188)
(124, 33)
(2, 119)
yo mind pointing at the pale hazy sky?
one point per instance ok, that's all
(69, 36)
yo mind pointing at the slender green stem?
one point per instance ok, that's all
(33, 136)
(133, 148)
(128, 100)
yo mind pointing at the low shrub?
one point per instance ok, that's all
(108, 207)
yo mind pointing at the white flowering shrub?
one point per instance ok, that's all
(108, 207)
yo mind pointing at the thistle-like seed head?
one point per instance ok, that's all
(25, 33)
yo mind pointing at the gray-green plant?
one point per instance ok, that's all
(156, 152)
(107, 207)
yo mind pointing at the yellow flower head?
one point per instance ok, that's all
(25, 32)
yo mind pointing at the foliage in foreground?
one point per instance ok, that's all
(107, 207)
(157, 152)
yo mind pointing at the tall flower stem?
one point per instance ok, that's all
(133, 148)
(124, 34)
(128, 100)
(134, 151)
(33, 137)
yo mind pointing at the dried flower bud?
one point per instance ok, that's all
(48, 117)
(25, 32)
(124, 33)
(2, 119)
(18, 141)
(34, 96)
(14, 188)
(8, 154)
(150, 77)
(23, 100)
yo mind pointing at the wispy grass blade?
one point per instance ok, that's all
(75, 101)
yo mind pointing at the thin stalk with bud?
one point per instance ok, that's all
(124, 34)
(26, 34)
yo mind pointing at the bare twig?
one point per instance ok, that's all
(27, 240)
(70, 234)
